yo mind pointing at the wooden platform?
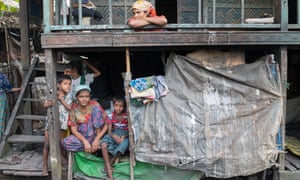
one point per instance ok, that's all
(28, 163)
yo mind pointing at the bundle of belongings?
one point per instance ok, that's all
(147, 89)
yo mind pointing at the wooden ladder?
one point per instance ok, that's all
(10, 137)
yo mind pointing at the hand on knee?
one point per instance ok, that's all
(103, 145)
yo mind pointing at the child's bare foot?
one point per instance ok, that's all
(105, 171)
(109, 178)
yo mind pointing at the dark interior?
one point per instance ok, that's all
(150, 62)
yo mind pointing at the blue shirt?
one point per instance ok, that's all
(4, 83)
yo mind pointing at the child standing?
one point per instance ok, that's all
(75, 70)
(86, 123)
(116, 141)
(64, 106)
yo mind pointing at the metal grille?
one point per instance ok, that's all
(222, 11)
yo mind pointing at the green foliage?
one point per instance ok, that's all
(11, 6)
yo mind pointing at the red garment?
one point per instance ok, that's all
(76, 117)
(119, 124)
(152, 12)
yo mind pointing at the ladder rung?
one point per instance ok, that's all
(25, 139)
(39, 68)
(32, 99)
(37, 83)
(31, 117)
(59, 69)
(25, 172)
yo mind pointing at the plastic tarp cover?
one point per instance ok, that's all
(223, 121)
(91, 167)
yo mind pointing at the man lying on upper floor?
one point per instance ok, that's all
(88, 10)
(144, 14)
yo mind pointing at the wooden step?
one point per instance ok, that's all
(31, 117)
(37, 83)
(59, 68)
(39, 68)
(25, 163)
(32, 99)
(23, 173)
(25, 139)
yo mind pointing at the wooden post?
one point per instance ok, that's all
(25, 51)
(53, 121)
(283, 67)
(127, 79)
(6, 44)
(127, 61)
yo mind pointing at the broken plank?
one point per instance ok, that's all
(294, 160)
(289, 166)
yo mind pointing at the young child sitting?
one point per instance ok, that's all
(64, 106)
(116, 141)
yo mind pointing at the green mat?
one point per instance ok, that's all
(88, 165)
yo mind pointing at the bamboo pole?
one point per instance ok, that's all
(127, 79)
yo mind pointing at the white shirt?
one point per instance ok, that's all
(89, 78)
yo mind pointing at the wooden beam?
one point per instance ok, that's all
(159, 39)
(127, 79)
(24, 24)
(7, 45)
(25, 51)
(181, 27)
(283, 68)
(53, 119)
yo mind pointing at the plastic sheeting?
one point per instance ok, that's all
(91, 167)
(220, 121)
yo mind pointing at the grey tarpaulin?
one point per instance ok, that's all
(220, 121)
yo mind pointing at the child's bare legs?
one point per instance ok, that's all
(45, 154)
(63, 152)
(112, 161)
(105, 156)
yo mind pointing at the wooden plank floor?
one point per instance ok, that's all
(28, 163)
(292, 162)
